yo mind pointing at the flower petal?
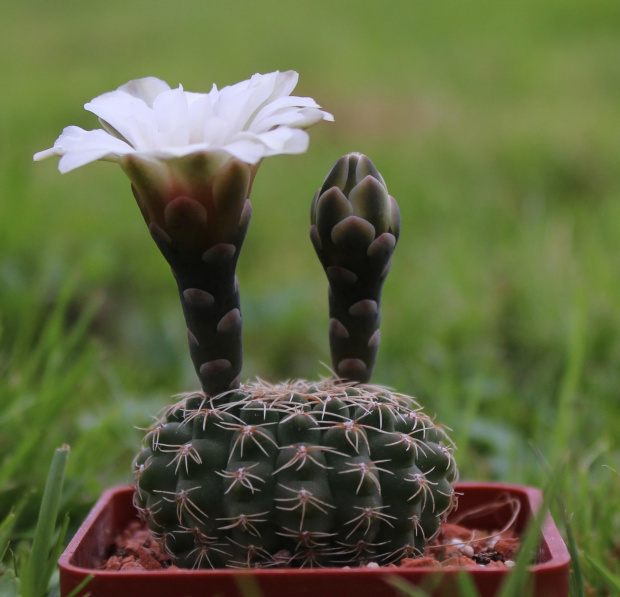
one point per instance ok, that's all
(285, 83)
(171, 113)
(130, 116)
(279, 112)
(46, 153)
(241, 103)
(145, 89)
(199, 112)
(69, 137)
(174, 151)
(250, 150)
(284, 140)
(78, 147)
(291, 117)
(218, 131)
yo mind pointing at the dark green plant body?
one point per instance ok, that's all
(298, 474)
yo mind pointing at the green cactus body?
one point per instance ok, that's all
(299, 474)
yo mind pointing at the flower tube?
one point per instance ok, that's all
(191, 159)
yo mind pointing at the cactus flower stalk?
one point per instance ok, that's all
(191, 159)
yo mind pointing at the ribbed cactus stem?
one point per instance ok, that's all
(200, 232)
(297, 474)
(355, 227)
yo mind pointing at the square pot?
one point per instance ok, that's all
(93, 542)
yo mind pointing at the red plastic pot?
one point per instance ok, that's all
(114, 511)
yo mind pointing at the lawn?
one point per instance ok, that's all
(495, 126)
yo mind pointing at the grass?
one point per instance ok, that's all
(495, 127)
(35, 565)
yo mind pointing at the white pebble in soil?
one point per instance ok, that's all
(467, 550)
(492, 542)
(464, 548)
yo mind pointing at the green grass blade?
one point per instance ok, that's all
(612, 580)
(467, 586)
(6, 527)
(570, 382)
(81, 586)
(248, 587)
(517, 582)
(56, 550)
(406, 588)
(35, 573)
(577, 580)
(578, 584)
(10, 466)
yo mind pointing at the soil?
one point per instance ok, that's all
(135, 549)
(455, 545)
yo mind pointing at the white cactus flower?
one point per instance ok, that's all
(147, 121)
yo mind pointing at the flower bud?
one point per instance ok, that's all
(355, 190)
(355, 226)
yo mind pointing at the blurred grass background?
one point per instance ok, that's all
(496, 128)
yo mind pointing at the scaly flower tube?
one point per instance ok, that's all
(191, 159)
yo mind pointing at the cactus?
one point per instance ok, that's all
(336, 472)
(328, 473)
